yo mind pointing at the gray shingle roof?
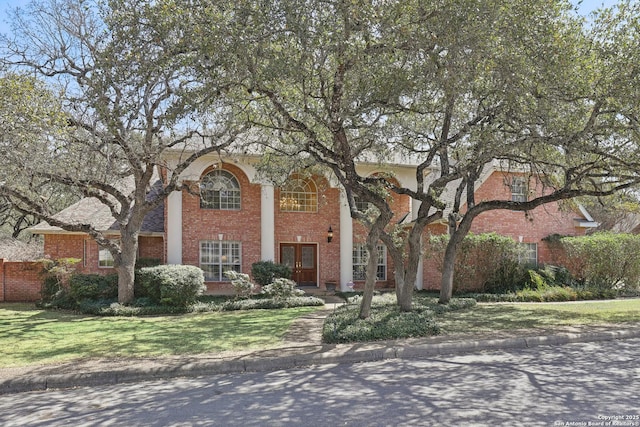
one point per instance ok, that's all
(91, 211)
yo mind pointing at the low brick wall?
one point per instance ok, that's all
(20, 281)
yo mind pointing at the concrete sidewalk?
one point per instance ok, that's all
(302, 347)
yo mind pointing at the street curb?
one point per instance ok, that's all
(328, 354)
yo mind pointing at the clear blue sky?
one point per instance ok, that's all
(586, 6)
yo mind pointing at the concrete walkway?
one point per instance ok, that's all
(302, 346)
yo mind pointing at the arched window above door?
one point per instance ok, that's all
(299, 194)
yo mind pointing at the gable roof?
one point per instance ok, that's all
(91, 211)
(449, 193)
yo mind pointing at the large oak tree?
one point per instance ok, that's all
(127, 93)
(451, 85)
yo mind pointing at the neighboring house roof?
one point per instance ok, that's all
(629, 223)
(17, 250)
(91, 211)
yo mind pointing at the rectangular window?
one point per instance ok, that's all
(361, 205)
(528, 254)
(105, 259)
(218, 256)
(360, 262)
(518, 189)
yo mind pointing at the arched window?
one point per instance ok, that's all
(299, 195)
(219, 189)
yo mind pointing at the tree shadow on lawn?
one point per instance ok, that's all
(55, 335)
(492, 317)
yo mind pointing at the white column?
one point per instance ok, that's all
(174, 228)
(346, 243)
(267, 223)
(420, 275)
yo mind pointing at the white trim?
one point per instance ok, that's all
(174, 228)
(267, 223)
(346, 243)
(218, 244)
(104, 251)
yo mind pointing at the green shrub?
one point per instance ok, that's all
(535, 280)
(113, 308)
(386, 320)
(147, 262)
(242, 285)
(510, 276)
(146, 307)
(93, 287)
(483, 262)
(281, 289)
(145, 285)
(264, 272)
(607, 261)
(51, 288)
(56, 273)
(173, 285)
(55, 295)
(271, 303)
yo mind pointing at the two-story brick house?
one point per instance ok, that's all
(238, 218)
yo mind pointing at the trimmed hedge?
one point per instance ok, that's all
(141, 306)
(173, 285)
(264, 272)
(93, 287)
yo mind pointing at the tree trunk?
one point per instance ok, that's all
(446, 286)
(370, 282)
(456, 236)
(411, 269)
(372, 265)
(125, 267)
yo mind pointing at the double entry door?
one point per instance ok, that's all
(302, 258)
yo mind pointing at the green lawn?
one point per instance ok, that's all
(504, 316)
(29, 335)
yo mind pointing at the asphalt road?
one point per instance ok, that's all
(574, 384)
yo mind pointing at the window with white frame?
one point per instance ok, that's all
(528, 254)
(360, 258)
(299, 194)
(361, 205)
(219, 189)
(518, 189)
(218, 256)
(105, 259)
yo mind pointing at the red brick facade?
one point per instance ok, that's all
(244, 226)
(86, 249)
(524, 227)
(20, 281)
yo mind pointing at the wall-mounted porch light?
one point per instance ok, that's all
(329, 235)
